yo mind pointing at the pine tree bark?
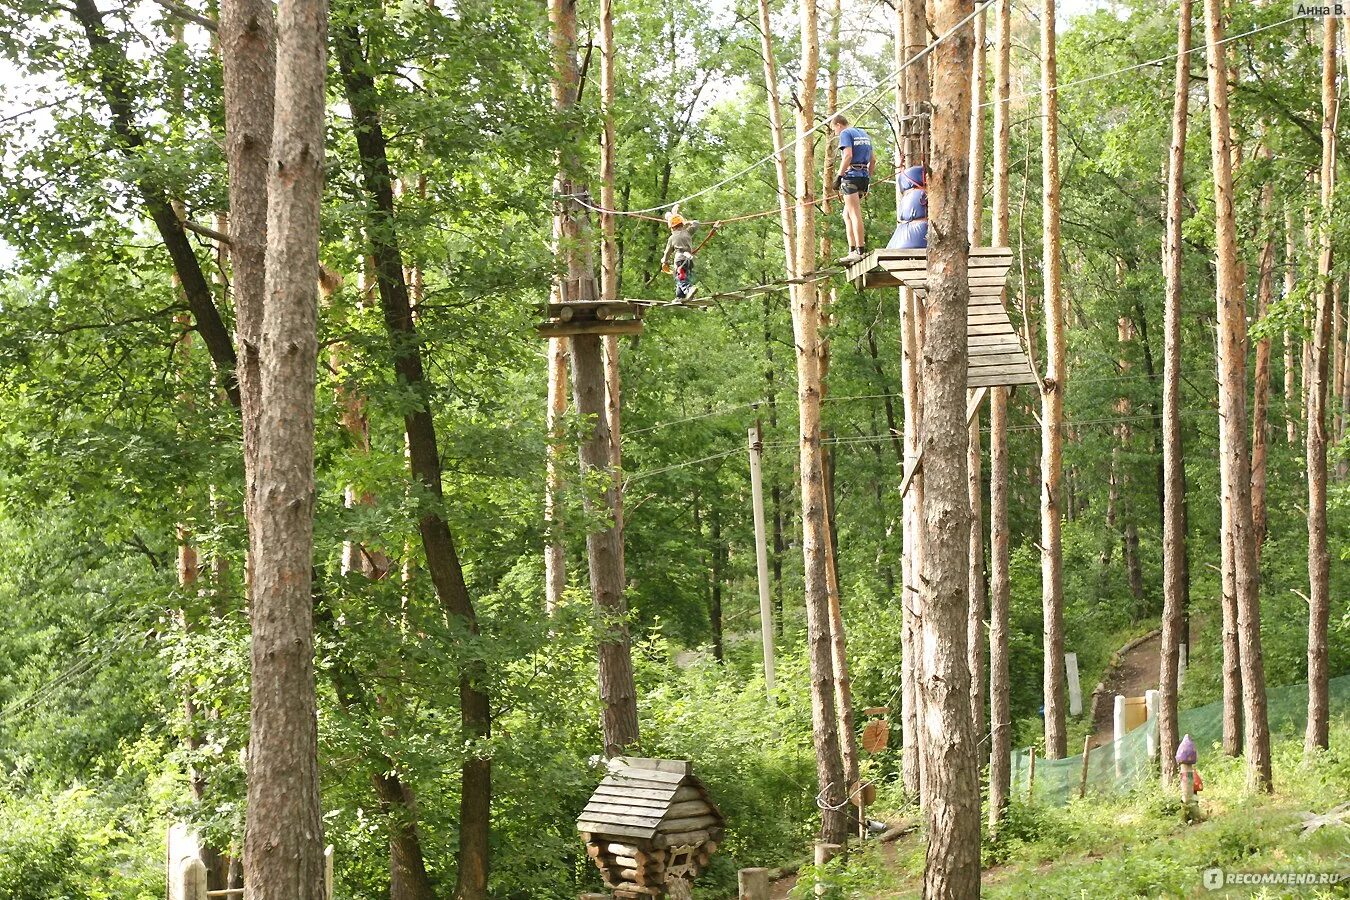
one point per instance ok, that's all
(1290, 363)
(1261, 376)
(951, 780)
(1235, 461)
(1319, 559)
(555, 551)
(591, 393)
(975, 484)
(1000, 586)
(283, 840)
(815, 539)
(1174, 471)
(787, 223)
(1343, 463)
(1052, 402)
(438, 544)
(826, 293)
(914, 102)
(609, 255)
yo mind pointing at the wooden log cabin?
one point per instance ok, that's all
(651, 827)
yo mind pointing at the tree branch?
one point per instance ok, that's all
(183, 12)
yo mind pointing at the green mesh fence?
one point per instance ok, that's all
(1122, 764)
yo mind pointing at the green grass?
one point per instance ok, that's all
(1140, 845)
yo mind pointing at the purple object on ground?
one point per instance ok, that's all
(1186, 754)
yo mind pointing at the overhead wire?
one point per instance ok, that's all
(1101, 76)
(880, 86)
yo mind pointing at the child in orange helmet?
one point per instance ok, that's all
(679, 253)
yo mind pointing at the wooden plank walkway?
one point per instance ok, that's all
(997, 356)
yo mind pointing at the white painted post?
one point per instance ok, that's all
(1118, 730)
(762, 560)
(182, 845)
(1151, 704)
(1075, 688)
(192, 879)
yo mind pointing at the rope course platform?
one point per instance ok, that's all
(589, 317)
(997, 357)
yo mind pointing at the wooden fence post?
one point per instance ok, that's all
(327, 872)
(824, 853)
(1082, 780)
(1031, 775)
(754, 884)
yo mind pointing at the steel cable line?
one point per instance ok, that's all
(880, 86)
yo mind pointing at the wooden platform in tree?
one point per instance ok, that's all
(589, 317)
(997, 356)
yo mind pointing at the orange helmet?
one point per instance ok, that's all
(674, 220)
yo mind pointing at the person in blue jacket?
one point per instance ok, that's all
(856, 164)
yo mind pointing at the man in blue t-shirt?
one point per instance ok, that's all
(856, 162)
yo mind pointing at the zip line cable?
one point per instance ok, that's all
(1146, 64)
(644, 213)
(880, 86)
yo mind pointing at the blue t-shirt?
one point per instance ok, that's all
(862, 149)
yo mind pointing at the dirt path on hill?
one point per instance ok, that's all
(1136, 671)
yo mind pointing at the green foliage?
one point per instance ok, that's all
(116, 446)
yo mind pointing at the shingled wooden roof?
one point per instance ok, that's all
(638, 795)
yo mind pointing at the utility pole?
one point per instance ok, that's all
(756, 444)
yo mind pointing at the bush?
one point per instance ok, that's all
(66, 846)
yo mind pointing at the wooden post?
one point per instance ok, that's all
(1151, 705)
(824, 853)
(1082, 778)
(192, 879)
(328, 872)
(1031, 775)
(762, 560)
(1075, 687)
(754, 884)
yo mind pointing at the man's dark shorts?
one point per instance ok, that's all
(854, 184)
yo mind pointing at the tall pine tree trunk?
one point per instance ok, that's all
(438, 544)
(787, 223)
(591, 397)
(951, 768)
(1291, 401)
(1235, 462)
(1261, 376)
(1319, 560)
(283, 842)
(911, 40)
(1052, 402)
(975, 484)
(555, 551)
(1000, 587)
(843, 686)
(815, 539)
(1174, 472)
